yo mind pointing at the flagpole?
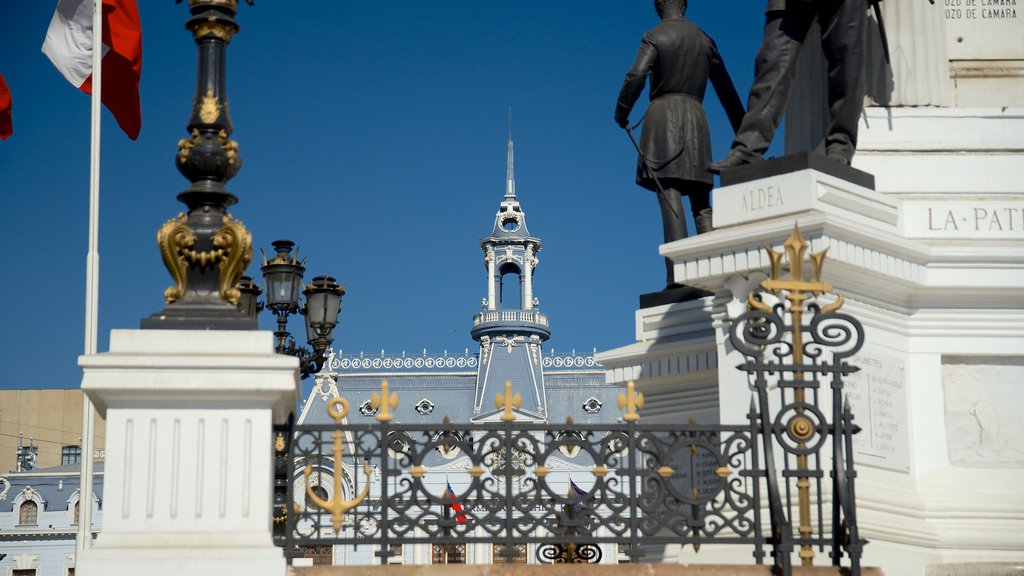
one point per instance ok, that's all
(92, 269)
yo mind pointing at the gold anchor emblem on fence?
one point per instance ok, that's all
(508, 401)
(337, 506)
(632, 401)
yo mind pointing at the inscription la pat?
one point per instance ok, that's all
(761, 198)
(976, 219)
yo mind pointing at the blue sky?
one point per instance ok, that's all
(373, 135)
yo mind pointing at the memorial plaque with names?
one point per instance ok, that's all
(695, 471)
(694, 474)
(984, 29)
(878, 398)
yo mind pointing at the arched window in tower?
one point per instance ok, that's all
(510, 296)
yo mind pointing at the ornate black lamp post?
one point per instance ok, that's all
(206, 250)
(282, 275)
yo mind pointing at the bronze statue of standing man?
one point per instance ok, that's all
(787, 23)
(675, 146)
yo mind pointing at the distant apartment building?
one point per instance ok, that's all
(50, 421)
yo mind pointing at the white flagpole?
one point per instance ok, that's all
(92, 269)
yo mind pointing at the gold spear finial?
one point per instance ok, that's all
(794, 249)
(384, 400)
(508, 401)
(632, 401)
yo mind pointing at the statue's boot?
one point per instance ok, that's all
(732, 160)
(703, 221)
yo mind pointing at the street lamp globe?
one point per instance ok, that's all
(323, 304)
(283, 278)
(247, 301)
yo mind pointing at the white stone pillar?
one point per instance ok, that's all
(918, 70)
(528, 262)
(189, 460)
(490, 278)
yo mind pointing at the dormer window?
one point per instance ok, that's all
(28, 513)
(424, 406)
(510, 223)
(367, 408)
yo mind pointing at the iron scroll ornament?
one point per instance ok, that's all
(798, 349)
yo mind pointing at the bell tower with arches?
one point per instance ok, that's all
(511, 329)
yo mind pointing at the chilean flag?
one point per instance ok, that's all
(69, 43)
(459, 516)
(5, 110)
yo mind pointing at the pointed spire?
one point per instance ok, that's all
(510, 172)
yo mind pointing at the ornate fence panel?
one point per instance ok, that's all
(651, 484)
(797, 347)
(645, 484)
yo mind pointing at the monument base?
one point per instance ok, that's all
(190, 418)
(795, 163)
(937, 394)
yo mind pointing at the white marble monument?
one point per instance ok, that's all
(931, 261)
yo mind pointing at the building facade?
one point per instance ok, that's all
(39, 519)
(510, 331)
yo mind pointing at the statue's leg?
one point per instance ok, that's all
(673, 222)
(842, 39)
(774, 67)
(700, 202)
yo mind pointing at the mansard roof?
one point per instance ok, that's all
(447, 384)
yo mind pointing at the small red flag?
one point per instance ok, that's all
(459, 516)
(69, 46)
(6, 126)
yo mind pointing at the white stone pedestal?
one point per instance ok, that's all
(941, 390)
(188, 479)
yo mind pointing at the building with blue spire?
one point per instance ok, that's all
(438, 389)
(511, 321)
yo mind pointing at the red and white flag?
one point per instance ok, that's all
(5, 111)
(460, 517)
(69, 43)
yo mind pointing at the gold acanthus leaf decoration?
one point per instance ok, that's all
(174, 239)
(230, 146)
(234, 243)
(185, 146)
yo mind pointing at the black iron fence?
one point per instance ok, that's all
(650, 485)
(782, 482)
